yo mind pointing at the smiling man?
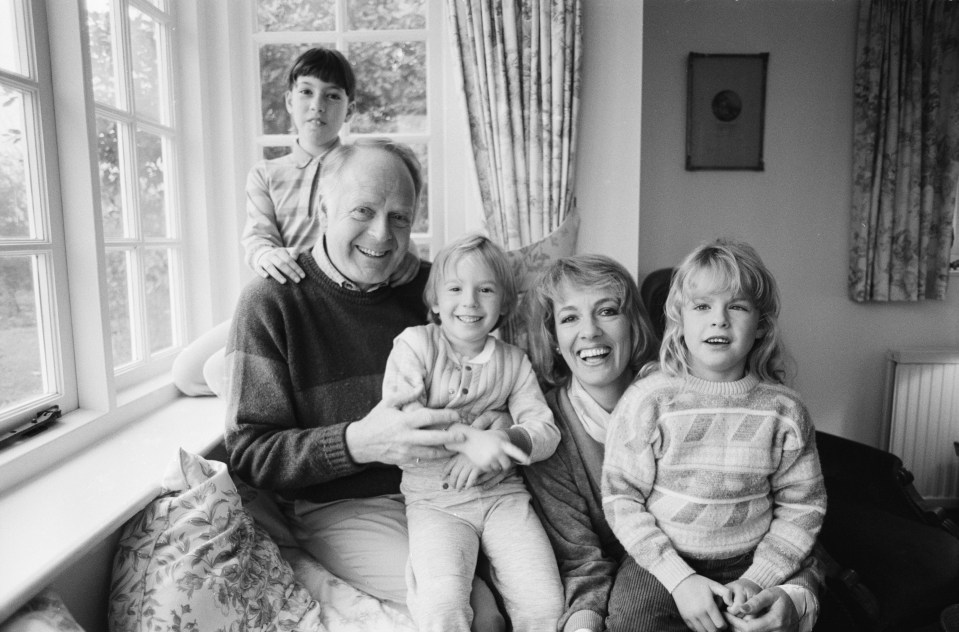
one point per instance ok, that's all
(305, 418)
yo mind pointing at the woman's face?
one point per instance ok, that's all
(594, 338)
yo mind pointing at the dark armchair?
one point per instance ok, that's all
(895, 560)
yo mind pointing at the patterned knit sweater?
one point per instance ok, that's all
(713, 470)
(307, 359)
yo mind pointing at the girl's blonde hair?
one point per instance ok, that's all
(586, 271)
(726, 266)
(471, 245)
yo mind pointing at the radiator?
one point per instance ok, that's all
(921, 419)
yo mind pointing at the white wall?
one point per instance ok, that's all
(607, 163)
(796, 211)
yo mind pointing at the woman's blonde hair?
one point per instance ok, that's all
(472, 245)
(731, 267)
(586, 271)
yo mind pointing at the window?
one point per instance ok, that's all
(395, 49)
(34, 370)
(89, 182)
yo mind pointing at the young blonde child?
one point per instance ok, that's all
(711, 479)
(455, 506)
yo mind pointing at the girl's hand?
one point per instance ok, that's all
(695, 600)
(407, 270)
(741, 590)
(489, 450)
(460, 472)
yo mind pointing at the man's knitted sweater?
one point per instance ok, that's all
(713, 470)
(307, 359)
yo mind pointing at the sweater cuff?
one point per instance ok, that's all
(764, 573)
(670, 570)
(520, 438)
(584, 620)
(337, 453)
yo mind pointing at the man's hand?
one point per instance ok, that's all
(389, 435)
(740, 591)
(279, 264)
(771, 610)
(694, 598)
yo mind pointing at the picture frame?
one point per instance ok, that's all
(725, 111)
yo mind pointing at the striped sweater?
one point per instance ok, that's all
(712, 470)
(424, 366)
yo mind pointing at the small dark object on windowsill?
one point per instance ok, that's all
(43, 420)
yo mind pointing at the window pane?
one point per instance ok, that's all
(12, 56)
(111, 188)
(21, 350)
(15, 192)
(102, 52)
(156, 272)
(391, 89)
(422, 222)
(387, 14)
(147, 77)
(296, 15)
(120, 298)
(275, 60)
(152, 185)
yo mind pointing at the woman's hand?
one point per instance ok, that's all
(389, 435)
(695, 599)
(741, 590)
(460, 472)
(771, 610)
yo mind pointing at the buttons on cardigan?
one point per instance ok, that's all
(465, 391)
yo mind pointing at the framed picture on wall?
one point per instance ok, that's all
(725, 111)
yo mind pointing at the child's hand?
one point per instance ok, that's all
(279, 264)
(407, 270)
(460, 472)
(694, 598)
(489, 450)
(495, 419)
(741, 590)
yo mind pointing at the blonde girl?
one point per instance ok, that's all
(711, 479)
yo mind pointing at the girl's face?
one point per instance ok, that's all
(594, 339)
(719, 329)
(469, 301)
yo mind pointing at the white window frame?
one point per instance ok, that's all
(95, 400)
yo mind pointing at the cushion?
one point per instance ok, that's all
(195, 559)
(44, 613)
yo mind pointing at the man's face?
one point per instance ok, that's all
(369, 213)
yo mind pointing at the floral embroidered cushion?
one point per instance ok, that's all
(194, 559)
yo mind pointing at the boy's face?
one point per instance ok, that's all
(319, 110)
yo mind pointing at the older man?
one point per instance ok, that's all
(305, 417)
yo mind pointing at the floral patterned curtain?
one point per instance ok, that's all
(906, 149)
(520, 63)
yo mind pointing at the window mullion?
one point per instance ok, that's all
(76, 145)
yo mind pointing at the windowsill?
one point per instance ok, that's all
(54, 517)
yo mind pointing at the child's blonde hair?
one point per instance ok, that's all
(732, 267)
(476, 245)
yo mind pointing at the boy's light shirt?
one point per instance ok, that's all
(593, 417)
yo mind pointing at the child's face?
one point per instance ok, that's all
(319, 110)
(469, 301)
(719, 329)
